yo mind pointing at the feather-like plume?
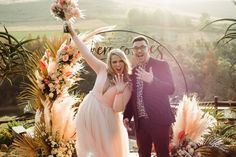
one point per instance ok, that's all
(89, 36)
(191, 121)
(64, 125)
(47, 114)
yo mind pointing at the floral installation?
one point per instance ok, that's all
(66, 10)
(56, 75)
(191, 131)
(58, 69)
(54, 134)
(43, 144)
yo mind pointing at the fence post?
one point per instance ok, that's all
(216, 103)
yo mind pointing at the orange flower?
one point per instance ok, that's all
(68, 73)
(43, 67)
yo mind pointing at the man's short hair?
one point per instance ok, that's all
(140, 38)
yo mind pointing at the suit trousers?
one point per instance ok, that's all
(148, 134)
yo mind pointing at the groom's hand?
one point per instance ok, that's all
(142, 74)
(126, 124)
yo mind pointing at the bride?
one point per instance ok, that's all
(100, 131)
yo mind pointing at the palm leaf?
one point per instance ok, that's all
(25, 146)
(219, 20)
(227, 36)
(13, 56)
(54, 44)
(31, 93)
(216, 142)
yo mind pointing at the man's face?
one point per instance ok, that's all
(141, 51)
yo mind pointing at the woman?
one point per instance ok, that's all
(100, 132)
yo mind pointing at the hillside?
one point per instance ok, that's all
(36, 13)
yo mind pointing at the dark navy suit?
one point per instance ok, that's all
(156, 102)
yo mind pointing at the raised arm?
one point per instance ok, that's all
(96, 64)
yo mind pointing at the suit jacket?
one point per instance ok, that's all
(155, 95)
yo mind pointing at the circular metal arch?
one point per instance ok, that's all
(128, 31)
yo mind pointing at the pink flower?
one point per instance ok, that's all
(65, 58)
(56, 81)
(46, 81)
(65, 48)
(62, 2)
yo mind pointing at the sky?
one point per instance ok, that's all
(145, 1)
(215, 8)
(15, 1)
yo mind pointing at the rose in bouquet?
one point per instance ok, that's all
(68, 54)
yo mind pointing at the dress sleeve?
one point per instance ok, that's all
(96, 64)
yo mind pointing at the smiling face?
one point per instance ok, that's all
(117, 64)
(141, 51)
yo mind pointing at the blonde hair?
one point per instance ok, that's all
(127, 67)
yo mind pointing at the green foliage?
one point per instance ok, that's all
(12, 57)
(25, 124)
(226, 131)
(230, 32)
(6, 137)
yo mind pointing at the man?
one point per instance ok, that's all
(149, 103)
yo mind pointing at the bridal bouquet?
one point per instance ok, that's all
(66, 10)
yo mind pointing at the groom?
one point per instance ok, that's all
(149, 103)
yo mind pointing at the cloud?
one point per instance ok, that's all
(4, 2)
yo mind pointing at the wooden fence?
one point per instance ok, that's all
(218, 105)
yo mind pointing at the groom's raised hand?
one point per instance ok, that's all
(142, 74)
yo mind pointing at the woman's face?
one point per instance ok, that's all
(117, 64)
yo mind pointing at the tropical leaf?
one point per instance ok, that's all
(31, 94)
(208, 151)
(230, 33)
(13, 56)
(25, 146)
(54, 43)
(216, 142)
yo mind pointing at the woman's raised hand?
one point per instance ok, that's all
(69, 28)
(119, 83)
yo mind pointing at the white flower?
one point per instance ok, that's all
(50, 85)
(53, 151)
(53, 76)
(41, 86)
(51, 95)
(52, 89)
